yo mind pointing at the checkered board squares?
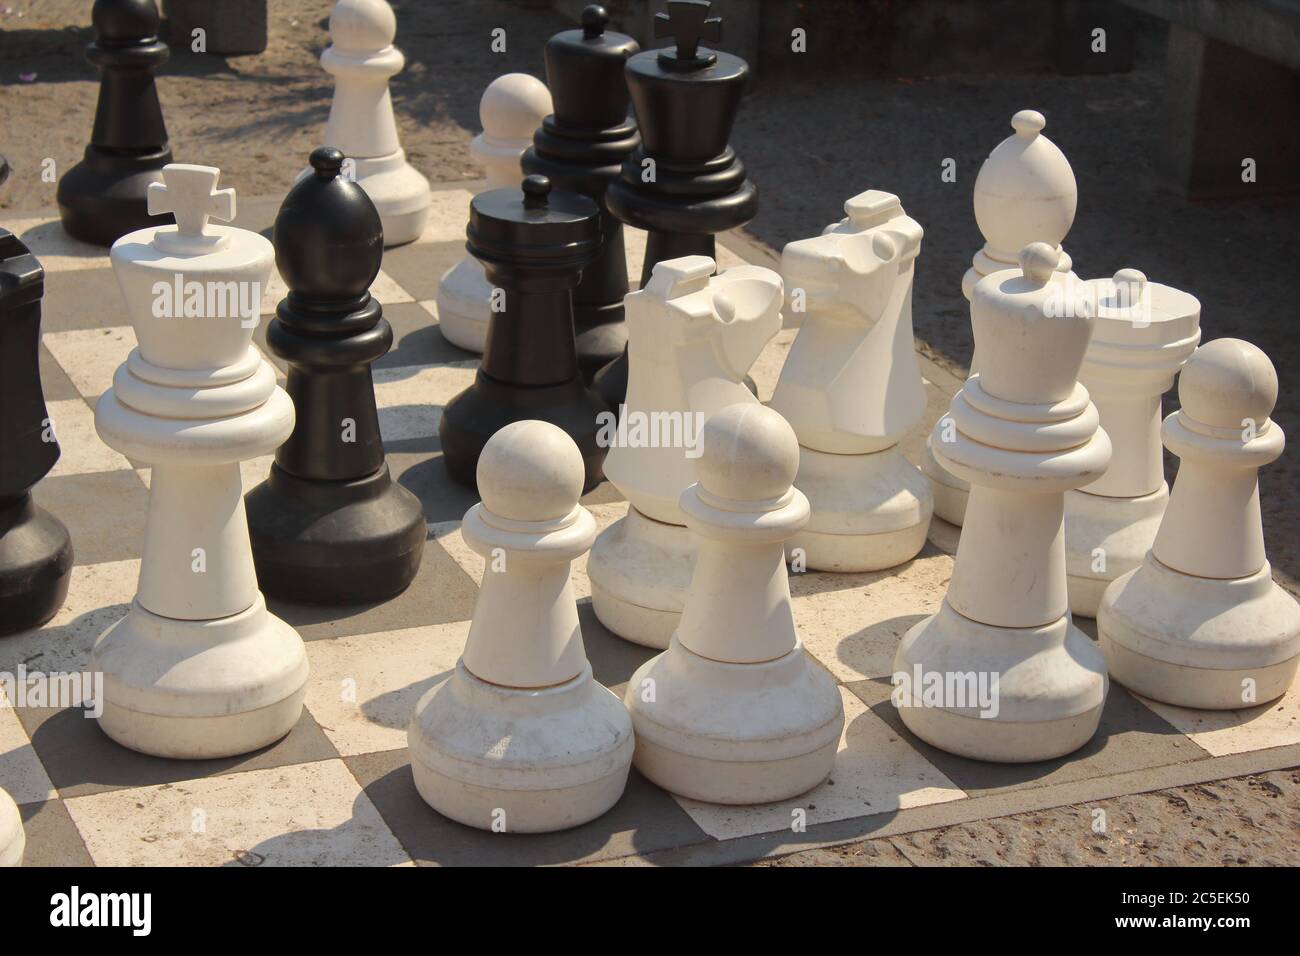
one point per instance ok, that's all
(338, 788)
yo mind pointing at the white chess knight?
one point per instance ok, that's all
(362, 59)
(851, 388)
(734, 711)
(1025, 192)
(511, 109)
(198, 667)
(692, 336)
(520, 737)
(1018, 680)
(1144, 333)
(12, 838)
(1201, 623)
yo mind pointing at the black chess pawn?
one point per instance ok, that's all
(580, 148)
(684, 184)
(35, 549)
(330, 526)
(533, 243)
(104, 196)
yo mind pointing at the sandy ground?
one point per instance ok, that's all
(809, 143)
(1241, 821)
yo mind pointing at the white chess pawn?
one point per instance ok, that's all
(520, 737)
(198, 667)
(362, 59)
(1000, 672)
(511, 109)
(734, 711)
(692, 336)
(851, 388)
(12, 838)
(1144, 333)
(1201, 623)
(1025, 192)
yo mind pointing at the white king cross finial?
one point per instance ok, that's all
(189, 193)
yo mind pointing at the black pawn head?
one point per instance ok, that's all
(329, 240)
(125, 21)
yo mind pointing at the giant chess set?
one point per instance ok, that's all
(382, 522)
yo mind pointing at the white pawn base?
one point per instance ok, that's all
(200, 689)
(1123, 528)
(398, 190)
(640, 571)
(734, 733)
(520, 760)
(1197, 642)
(12, 838)
(1049, 697)
(950, 492)
(464, 298)
(869, 512)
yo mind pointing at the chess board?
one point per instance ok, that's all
(338, 789)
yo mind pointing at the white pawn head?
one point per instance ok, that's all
(1228, 383)
(749, 453)
(362, 26)
(530, 471)
(1025, 191)
(513, 106)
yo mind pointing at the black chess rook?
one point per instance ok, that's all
(329, 525)
(35, 548)
(534, 243)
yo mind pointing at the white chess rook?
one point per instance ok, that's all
(520, 738)
(734, 711)
(851, 388)
(511, 109)
(12, 838)
(692, 336)
(1025, 192)
(1025, 432)
(198, 667)
(1145, 332)
(362, 59)
(1201, 623)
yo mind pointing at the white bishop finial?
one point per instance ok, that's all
(190, 194)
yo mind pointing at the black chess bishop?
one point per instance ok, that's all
(330, 526)
(581, 148)
(684, 183)
(534, 243)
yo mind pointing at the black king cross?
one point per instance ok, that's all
(688, 22)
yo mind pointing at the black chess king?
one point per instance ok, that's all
(330, 526)
(684, 183)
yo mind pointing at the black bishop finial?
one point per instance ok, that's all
(688, 22)
(594, 20)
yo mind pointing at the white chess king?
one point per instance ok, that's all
(851, 388)
(198, 667)
(1025, 192)
(511, 109)
(1201, 622)
(735, 711)
(1144, 333)
(362, 59)
(692, 337)
(520, 737)
(1025, 431)
(12, 838)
